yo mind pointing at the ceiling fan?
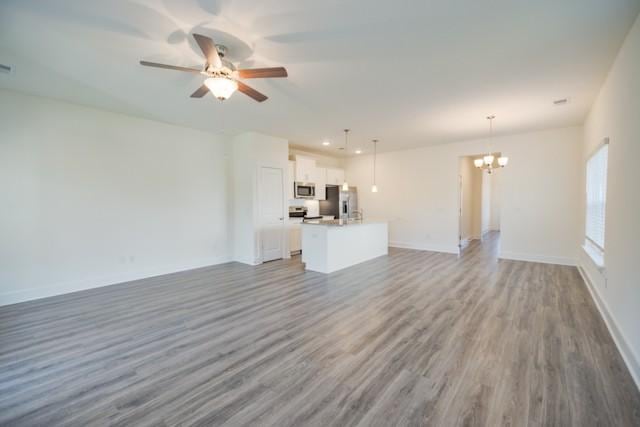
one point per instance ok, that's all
(222, 75)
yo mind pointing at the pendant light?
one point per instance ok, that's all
(486, 162)
(374, 187)
(345, 184)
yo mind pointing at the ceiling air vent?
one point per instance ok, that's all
(5, 69)
(560, 101)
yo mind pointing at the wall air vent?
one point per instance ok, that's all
(560, 101)
(5, 69)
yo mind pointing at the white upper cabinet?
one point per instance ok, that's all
(292, 178)
(305, 169)
(335, 176)
(320, 179)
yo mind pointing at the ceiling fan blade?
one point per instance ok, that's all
(208, 47)
(251, 92)
(260, 73)
(200, 92)
(169, 67)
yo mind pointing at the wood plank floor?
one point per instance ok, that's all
(414, 338)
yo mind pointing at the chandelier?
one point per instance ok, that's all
(486, 161)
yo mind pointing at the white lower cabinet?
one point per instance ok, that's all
(295, 235)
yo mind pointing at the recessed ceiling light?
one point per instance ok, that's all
(325, 143)
(358, 151)
(560, 101)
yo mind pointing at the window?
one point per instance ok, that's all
(596, 204)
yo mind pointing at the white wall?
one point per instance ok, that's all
(466, 200)
(485, 202)
(540, 194)
(496, 197)
(616, 114)
(471, 222)
(91, 198)
(250, 151)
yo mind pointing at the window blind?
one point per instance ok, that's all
(596, 196)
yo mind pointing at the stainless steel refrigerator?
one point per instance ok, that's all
(340, 204)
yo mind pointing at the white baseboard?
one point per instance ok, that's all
(546, 259)
(426, 247)
(630, 358)
(105, 280)
(247, 261)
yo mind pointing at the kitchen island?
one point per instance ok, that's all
(328, 246)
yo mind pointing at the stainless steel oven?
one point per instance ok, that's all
(304, 190)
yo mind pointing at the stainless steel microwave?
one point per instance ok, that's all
(304, 190)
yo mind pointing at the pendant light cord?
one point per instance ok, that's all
(346, 131)
(490, 135)
(375, 155)
(491, 117)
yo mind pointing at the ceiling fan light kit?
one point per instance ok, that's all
(221, 75)
(221, 87)
(486, 162)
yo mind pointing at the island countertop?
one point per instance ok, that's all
(328, 246)
(341, 222)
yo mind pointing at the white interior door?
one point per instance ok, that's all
(271, 199)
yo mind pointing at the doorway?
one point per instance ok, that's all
(479, 202)
(271, 212)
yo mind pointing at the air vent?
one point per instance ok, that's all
(5, 69)
(560, 101)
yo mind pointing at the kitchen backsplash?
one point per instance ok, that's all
(313, 206)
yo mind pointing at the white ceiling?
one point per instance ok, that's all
(411, 73)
